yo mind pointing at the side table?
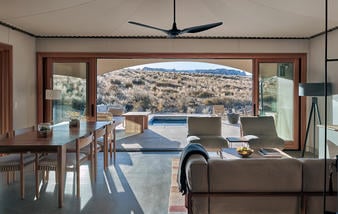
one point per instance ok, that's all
(237, 140)
(136, 122)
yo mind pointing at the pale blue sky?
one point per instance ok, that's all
(183, 65)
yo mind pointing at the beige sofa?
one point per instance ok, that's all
(207, 131)
(257, 186)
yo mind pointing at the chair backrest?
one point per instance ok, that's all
(109, 130)
(84, 141)
(204, 126)
(261, 126)
(218, 110)
(99, 132)
(104, 116)
(116, 111)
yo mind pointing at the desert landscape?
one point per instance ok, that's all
(163, 91)
(158, 91)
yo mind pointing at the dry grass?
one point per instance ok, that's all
(173, 92)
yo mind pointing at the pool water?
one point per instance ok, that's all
(168, 121)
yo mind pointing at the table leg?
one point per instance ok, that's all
(105, 152)
(145, 122)
(61, 167)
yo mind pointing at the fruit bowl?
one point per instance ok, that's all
(244, 151)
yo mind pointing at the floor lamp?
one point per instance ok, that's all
(313, 90)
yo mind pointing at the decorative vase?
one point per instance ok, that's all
(233, 118)
(74, 123)
(44, 130)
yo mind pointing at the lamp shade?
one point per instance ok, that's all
(314, 89)
(53, 94)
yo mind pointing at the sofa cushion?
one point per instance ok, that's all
(254, 204)
(255, 175)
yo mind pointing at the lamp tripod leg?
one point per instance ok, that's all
(308, 129)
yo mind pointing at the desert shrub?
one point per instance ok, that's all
(138, 82)
(129, 85)
(78, 104)
(205, 94)
(269, 98)
(167, 84)
(115, 82)
(120, 95)
(169, 91)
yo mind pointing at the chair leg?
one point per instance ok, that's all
(22, 180)
(95, 160)
(114, 144)
(56, 177)
(36, 177)
(78, 181)
(110, 149)
(8, 175)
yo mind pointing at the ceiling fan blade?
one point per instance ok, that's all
(148, 26)
(200, 28)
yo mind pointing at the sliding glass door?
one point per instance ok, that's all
(277, 86)
(73, 80)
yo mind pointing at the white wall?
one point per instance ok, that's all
(24, 76)
(316, 73)
(317, 68)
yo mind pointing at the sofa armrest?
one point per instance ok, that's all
(313, 169)
(197, 171)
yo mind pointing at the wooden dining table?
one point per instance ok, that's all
(56, 142)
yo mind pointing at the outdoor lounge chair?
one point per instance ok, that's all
(206, 131)
(261, 132)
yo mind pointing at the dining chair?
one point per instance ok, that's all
(111, 139)
(99, 133)
(48, 162)
(13, 162)
(97, 147)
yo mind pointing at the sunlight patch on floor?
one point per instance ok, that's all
(131, 146)
(51, 185)
(86, 192)
(116, 179)
(69, 183)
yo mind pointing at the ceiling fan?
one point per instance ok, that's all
(174, 31)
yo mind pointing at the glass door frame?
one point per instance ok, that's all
(45, 81)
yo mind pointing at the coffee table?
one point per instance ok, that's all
(231, 153)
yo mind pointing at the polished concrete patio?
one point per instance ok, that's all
(163, 137)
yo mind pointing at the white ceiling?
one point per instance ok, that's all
(109, 18)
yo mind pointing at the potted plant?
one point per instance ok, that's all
(233, 117)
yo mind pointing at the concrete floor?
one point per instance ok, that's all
(138, 183)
